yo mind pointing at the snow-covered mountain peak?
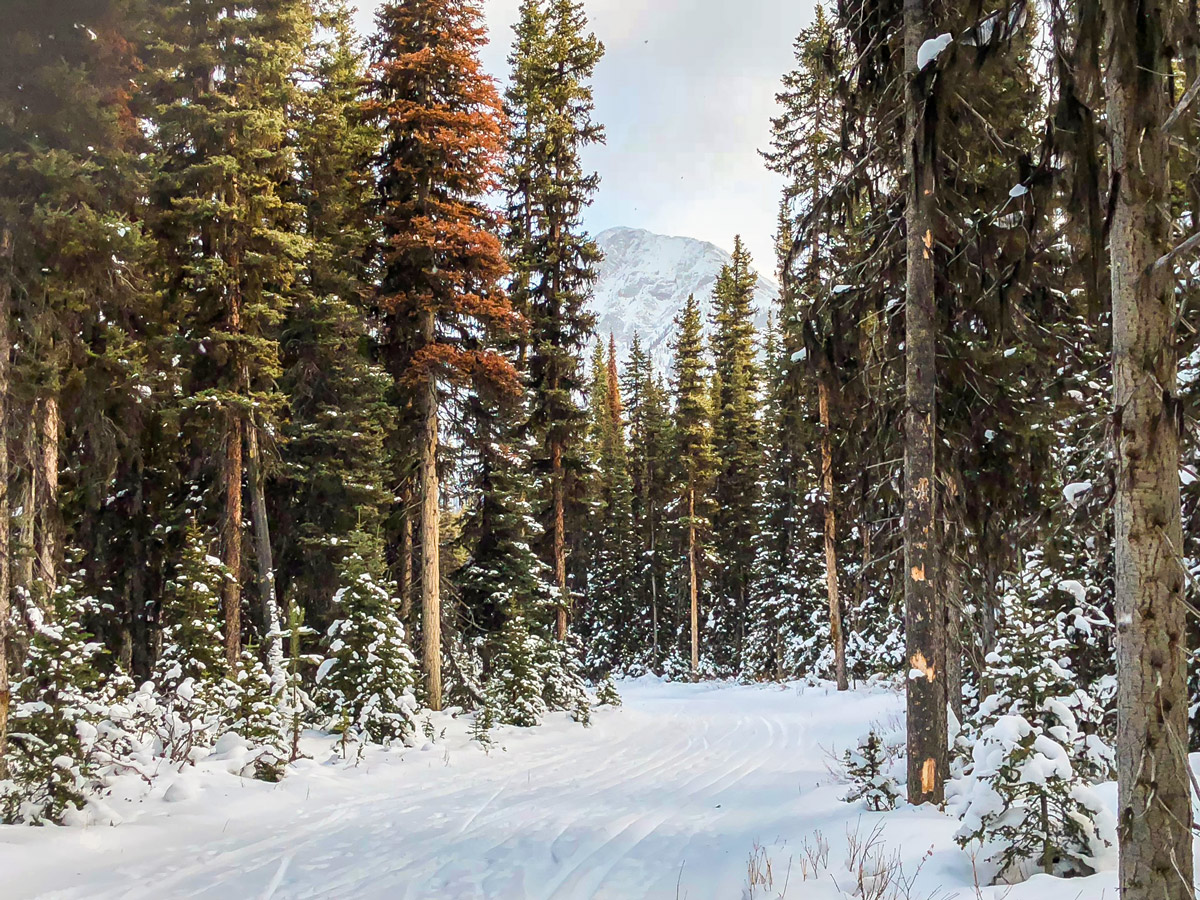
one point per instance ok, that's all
(644, 282)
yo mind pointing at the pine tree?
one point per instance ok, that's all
(549, 100)
(736, 441)
(442, 262)
(696, 465)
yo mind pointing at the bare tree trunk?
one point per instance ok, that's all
(431, 574)
(1154, 809)
(26, 500)
(559, 538)
(924, 621)
(831, 574)
(693, 581)
(231, 598)
(952, 605)
(6, 251)
(653, 592)
(406, 563)
(46, 523)
(268, 597)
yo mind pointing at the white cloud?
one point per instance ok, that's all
(686, 91)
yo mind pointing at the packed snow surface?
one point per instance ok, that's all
(667, 798)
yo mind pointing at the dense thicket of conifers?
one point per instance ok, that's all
(298, 421)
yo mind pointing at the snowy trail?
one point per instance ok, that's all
(665, 798)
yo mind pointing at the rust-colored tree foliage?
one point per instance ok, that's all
(441, 298)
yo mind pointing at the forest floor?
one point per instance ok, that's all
(688, 791)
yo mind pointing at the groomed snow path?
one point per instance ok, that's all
(665, 798)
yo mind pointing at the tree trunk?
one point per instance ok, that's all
(952, 605)
(6, 251)
(26, 501)
(924, 622)
(46, 524)
(693, 583)
(431, 575)
(231, 598)
(268, 597)
(559, 538)
(1154, 808)
(836, 638)
(653, 589)
(406, 563)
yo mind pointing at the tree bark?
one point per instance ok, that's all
(430, 543)
(559, 538)
(1154, 808)
(267, 594)
(836, 638)
(653, 586)
(26, 501)
(6, 251)
(406, 563)
(952, 605)
(924, 621)
(231, 598)
(693, 582)
(46, 521)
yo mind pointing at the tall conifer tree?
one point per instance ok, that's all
(736, 440)
(696, 462)
(442, 262)
(550, 102)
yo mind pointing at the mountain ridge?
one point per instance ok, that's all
(644, 282)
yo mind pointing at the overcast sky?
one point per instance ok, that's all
(686, 91)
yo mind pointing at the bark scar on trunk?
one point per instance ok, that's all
(923, 666)
(928, 774)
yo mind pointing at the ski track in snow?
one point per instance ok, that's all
(665, 798)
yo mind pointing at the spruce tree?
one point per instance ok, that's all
(332, 479)
(230, 249)
(649, 466)
(549, 100)
(441, 290)
(696, 466)
(366, 686)
(736, 441)
(615, 623)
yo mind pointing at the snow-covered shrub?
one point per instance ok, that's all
(868, 768)
(516, 686)
(1027, 807)
(366, 684)
(563, 685)
(256, 715)
(606, 694)
(186, 705)
(61, 739)
(1033, 747)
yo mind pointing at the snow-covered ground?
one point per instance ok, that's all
(688, 791)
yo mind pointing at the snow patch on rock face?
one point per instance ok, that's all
(644, 282)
